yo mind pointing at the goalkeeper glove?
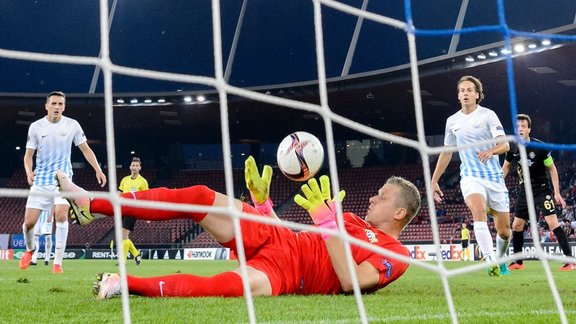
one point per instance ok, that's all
(259, 186)
(319, 203)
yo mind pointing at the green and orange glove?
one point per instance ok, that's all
(259, 186)
(319, 204)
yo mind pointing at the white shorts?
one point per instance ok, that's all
(44, 202)
(495, 194)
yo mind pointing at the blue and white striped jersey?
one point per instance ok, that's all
(465, 129)
(53, 145)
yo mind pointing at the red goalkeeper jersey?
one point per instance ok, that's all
(298, 263)
(318, 275)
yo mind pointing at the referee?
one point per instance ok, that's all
(465, 235)
(132, 183)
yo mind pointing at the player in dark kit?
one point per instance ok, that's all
(544, 198)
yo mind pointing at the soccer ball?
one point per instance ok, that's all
(300, 156)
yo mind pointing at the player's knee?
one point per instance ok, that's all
(552, 222)
(61, 217)
(517, 227)
(28, 224)
(479, 214)
(504, 233)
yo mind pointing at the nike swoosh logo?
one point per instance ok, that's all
(161, 283)
(83, 213)
(44, 136)
(457, 129)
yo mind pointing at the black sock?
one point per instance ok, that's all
(518, 243)
(562, 240)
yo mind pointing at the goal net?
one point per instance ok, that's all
(504, 43)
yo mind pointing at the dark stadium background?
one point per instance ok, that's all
(275, 55)
(180, 142)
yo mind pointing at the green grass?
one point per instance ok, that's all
(38, 296)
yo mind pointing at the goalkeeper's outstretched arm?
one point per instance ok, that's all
(366, 274)
(318, 202)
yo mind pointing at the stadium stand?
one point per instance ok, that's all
(360, 185)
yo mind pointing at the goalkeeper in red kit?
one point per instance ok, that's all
(279, 260)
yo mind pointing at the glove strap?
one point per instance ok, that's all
(265, 207)
(330, 224)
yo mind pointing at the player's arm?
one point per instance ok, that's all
(501, 147)
(366, 274)
(441, 165)
(91, 158)
(259, 186)
(506, 168)
(321, 207)
(549, 162)
(498, 149)
(498, 134)
(29, 165)
(121, 186)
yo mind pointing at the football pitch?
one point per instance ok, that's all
(38, 296)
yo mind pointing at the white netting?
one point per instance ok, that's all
(223, 88)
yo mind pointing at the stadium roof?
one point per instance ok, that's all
(263, 42)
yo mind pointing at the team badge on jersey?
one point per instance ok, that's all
(388, 266)
(532, 155)
(371, 236)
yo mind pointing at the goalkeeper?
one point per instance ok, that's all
(279, 260)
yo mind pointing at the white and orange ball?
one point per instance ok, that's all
(300, 156)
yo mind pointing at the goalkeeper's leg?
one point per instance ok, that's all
(227, 284)
(219, 225)
(84, 210)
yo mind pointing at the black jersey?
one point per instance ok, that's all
(536, 157)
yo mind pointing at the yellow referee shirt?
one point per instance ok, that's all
(465, 234)
(132, 185)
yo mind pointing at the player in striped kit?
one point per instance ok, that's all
(50, 139)
(43, 227)
(482, 180)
